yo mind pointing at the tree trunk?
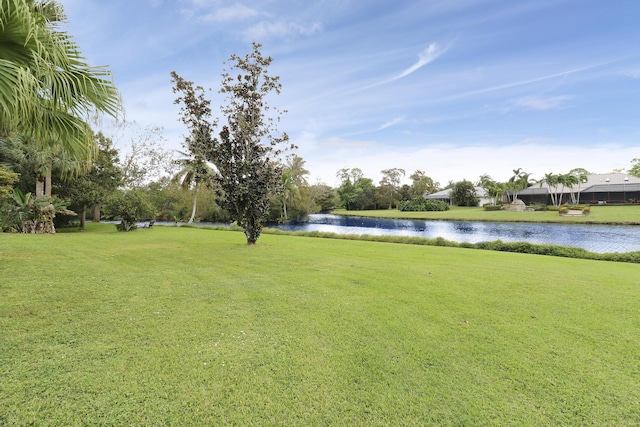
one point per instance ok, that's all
(39, 186)
(96, 213)
(195, 203)
(47, 185)
(284, 207)
(252, 230)
(83, 218)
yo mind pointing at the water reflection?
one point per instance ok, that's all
(594, 238)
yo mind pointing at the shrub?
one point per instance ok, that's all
(492, 207)
(421, 204)
(130, 207)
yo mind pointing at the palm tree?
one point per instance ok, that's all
(47, 91)
(193, 172)
(290, 190)
(23, 155)
(519, 181)
(581, 176)
(552, 181)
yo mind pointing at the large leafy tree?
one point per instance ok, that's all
(355, 192)
(389, 191)
(47, 91)
(93, 188)
(463, 193)
(246, 151)
(422, 184)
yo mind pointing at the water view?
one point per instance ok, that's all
(594, 238)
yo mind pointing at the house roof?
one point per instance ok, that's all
(613, 188)
(623, 182)
(446, 194)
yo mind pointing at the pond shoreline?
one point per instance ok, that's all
(598, 238)
(494, 216)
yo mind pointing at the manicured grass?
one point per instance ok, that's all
(181, 326)
(629, 214)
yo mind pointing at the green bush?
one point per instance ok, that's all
(492, 207)
(420, 204)
(129, 207)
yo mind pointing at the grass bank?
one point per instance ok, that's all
(629, 215)
(180, 326)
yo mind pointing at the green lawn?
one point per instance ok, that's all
(629, 214)
(180, 326)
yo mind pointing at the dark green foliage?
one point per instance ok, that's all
(24, 213)
(93, 188)
(324, 196)
(7, 179)
(492, 207)
(463, 193)
(129, 207)
(356, 192)
(422, 184)
(246, 150)
(420, 204)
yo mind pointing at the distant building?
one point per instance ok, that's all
(596, 189)
(445, 196)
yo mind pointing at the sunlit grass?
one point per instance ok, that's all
(177, 326)
(629, 214)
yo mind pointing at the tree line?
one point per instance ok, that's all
(235, 166)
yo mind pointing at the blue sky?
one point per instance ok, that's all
(456, 88)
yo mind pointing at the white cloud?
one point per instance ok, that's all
(425, 57)
(444, 162)
(540, 103)
(430, 54)
(391, 123)
(266, 29)
(236, 12)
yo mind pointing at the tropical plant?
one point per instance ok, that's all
(494, 189)
(194, 172)
(7, 179)
(519, 181)
(27, 214)
(47, 91)
(580, 176)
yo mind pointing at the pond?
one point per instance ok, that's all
(594, 238)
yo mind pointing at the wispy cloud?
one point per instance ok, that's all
(236, 12)
(391, 123)
(266, 30)
(528, 81)
(540, 103)
(428, 55)
(425, 57)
